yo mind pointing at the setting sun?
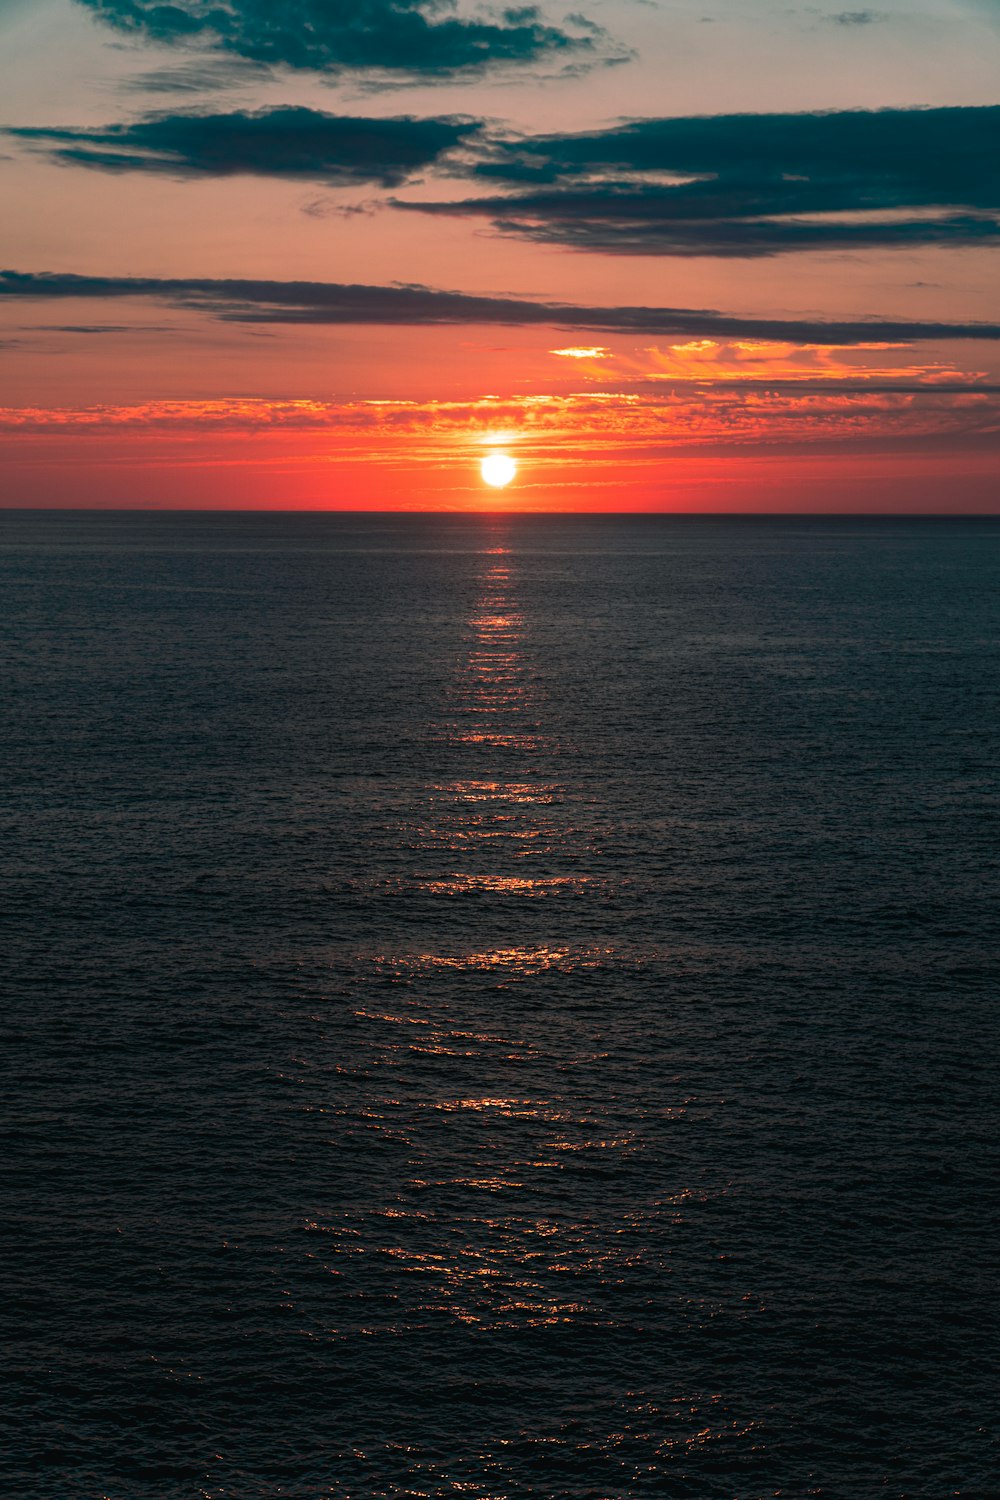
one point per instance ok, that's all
(498, 469)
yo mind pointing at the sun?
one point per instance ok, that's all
(498, 469)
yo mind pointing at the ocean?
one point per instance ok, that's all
(500, 1006)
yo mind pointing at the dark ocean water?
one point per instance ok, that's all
(502, 1007)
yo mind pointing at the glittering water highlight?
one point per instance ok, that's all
(502, 1007)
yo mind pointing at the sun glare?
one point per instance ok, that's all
(498, 469)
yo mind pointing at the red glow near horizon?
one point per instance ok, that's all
(716, 437)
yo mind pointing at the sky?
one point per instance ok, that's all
(669, 255)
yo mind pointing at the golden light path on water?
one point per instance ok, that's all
(506, 1267)
(511, 1209)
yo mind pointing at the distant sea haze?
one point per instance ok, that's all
(500, 1007)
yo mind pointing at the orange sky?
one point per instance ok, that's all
(164, 398)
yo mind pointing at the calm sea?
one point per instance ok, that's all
(501, 1007)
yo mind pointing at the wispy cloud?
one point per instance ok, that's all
(295, 143)
(725, 185)
(408, 38)
(199, 76)
(750, 185)
(571, 428)
(588, 352)
(768, 363)
(336, 303)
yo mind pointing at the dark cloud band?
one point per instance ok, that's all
(294, 143)
(894, 156)
(323, 302)
(405, 37)
(642, 224)
(728, 186)
(751, 184)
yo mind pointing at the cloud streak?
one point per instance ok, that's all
(724, 186)
(750, 185)
(294, 143)
(337, 303)
(409, 38)
(573, 428)
(613, 222)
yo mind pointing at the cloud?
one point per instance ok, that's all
(338, 303)
(197, 77)
(406, 37)
(296, 143)
(750, 185)
(724, 185)
(576, 428)
(86, 328)
(588, 351)
(871, 158)
(884, 365)
(642, 223)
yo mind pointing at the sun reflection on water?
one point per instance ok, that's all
(480, 1052)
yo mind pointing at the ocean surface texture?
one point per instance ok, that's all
(501, 1008)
